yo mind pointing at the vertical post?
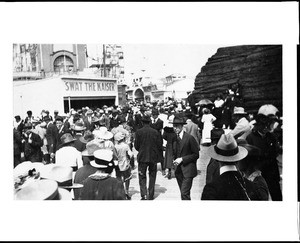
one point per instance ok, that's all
(41, 51)
(77, 60)
(69, 99)
(104, 57)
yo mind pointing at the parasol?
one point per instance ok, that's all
(204, 102)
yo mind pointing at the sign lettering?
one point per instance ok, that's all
(89, 86)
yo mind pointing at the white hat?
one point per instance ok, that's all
(239, 110)
(102, 133)
(103, 158)
(43, 190)
(227, 150)
(62, 175)
(268, 110)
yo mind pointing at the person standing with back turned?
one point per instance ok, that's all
(148, 143)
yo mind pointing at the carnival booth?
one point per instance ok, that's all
(63, 93)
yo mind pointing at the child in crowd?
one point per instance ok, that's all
(124, 154)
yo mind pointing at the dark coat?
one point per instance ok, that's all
(51, 136)
(228, 187)
(170, 136)
(20, 127)
(87, 124)
(148, 143)
(212, 170)
(158, 125)
(108, 188)
(32, 151)
(189, 152)
(270, 148)
(80, 146)
(17, 142)
(114, 122)
(80, 175)
(65, 129)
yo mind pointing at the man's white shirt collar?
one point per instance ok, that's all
(181, 134)
(226, 168)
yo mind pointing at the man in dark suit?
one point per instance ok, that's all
(88, 120)
(230, 185)
(115, 119)
(158, 125)
(62, 128)
(19, 124)
(187, 153)
(148, 143)
(51, 136)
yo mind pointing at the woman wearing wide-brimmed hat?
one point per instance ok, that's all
(68, 155)
(230, 185)
(101, 185)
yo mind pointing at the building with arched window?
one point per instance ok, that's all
(58, 76)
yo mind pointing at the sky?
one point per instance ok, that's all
(161, 60)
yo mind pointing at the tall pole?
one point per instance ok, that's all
(77, 68)
(104, 57)
(41, 51)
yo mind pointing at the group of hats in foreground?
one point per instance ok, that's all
(36, 181)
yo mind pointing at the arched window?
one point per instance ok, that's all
(63, 64)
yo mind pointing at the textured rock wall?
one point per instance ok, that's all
(256, 68)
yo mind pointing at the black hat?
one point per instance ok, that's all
(178, 120)
(59, 118)
(46, 118)
(28, 125)
(146, 118)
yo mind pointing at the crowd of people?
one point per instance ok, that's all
(97, 146)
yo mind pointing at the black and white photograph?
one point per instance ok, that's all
(110, 108)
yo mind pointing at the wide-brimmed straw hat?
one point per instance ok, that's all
(78, 126)
(227, 150)
(24, 168)
(119, 136)
(43, 190)
(87, 137)
(103, 158)
(103, 133)
(67, 138)
(91, 147)
(239, 111)
(252, 150)
(62, 175)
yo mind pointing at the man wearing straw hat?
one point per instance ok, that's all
(230, 185)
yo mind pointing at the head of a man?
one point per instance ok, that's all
(178, 123)
(59, 122)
